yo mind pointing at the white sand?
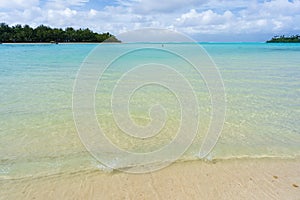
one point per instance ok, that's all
(231, 179)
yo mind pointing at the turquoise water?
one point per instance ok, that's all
(38, 135)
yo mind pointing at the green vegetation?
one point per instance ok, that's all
(285, 39)
(26, 34)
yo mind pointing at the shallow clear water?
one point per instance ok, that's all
(38, 135)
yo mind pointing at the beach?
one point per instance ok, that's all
(227, 179)
(46, 151)
(149, 100)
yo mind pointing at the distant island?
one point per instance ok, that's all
(40, 34)
(285, 39)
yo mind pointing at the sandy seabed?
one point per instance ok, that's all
(226, 179)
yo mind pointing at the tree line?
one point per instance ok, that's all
(42, 33)
(285, 39)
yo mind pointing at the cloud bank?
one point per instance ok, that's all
(211, 20)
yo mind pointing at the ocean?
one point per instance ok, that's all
(39, 137)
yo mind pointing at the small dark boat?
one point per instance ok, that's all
(53, 42)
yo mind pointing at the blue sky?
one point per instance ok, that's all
(210, 20)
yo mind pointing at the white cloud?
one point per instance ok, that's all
(267, 17)
(159, 6)
(59, 4)
(66, 2)
(18, 4)
(281, 7)
(61, 17)
(193, 18)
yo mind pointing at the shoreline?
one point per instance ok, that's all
(228, 179)
(30, 43)
(106, 170)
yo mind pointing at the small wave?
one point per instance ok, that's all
(105, 168)
(4, 170)
(100, 168)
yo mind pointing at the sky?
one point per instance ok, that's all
(210, 20)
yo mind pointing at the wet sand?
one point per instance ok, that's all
(227, 179)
